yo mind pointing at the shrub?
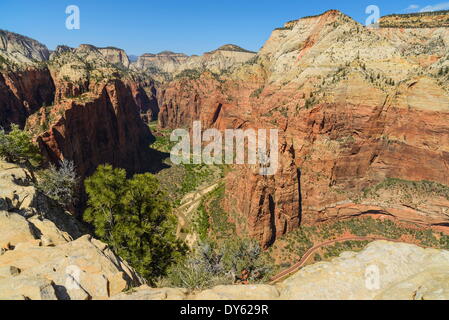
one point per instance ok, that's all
(204, 269)
(17, 147)
(209, 266)
(60, 183)
(135, 219)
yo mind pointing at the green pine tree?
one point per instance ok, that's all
(135, 219)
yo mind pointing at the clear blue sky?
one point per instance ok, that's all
(193, 26)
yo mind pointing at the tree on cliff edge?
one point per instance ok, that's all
(134, 218)
(17, 147)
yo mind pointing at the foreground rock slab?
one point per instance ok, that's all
(383, 270)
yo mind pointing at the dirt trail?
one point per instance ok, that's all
(312, 250)
(189, 204)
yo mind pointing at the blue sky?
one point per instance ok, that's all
(193, 27)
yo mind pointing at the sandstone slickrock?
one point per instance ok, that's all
(383, 270)
(95, 271)
(19, 198)
(39, 260)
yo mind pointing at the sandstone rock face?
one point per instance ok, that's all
(20, 204)
(357, 105)
(436, 19)
(383, 270)
(397, 271)
(147, 293)
(112, 55)
(106, 129)
(19, 48)
(40, 258)
(22, 93)
(271, 206)
(166, 61)
(115, 56)
(84, 268)
(84, 105)
(166, 65)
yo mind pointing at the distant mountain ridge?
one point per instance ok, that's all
(435, 19)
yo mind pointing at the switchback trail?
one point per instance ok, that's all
(312, 250)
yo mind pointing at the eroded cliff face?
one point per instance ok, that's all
(105, 129)
(23, 92)
(357, 106)
(265, 207)
(82, 105)
(96, 118)
(167, 65)
(19, 48)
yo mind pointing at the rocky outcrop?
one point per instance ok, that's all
(271, 206)
(115, 56)
(166, 61)
(84, 107)
(105, 129)
(383, 270)
(358, 105)
(79, 70)
(43, 255)
(22, 93)
(21, 49)
(435, 19)
(77, 270)
(167, 65)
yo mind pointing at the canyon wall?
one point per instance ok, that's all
(82, 105)
(356, 106)
(22, 93)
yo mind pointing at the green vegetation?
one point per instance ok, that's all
(163, 143)
(310, 102)
(256, 93)
(201, 223)
(338, 248)
(17, 147)
(195, 176)
(59, 184)
(293, 246)
(7, 64)
(409, 188)
(443, 71)
(135, 219)
(189, 73)
(211, 264)
(211, 208)
(419, 14)
(179, 180)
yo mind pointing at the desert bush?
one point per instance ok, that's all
(59, 184)
(203, 269)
